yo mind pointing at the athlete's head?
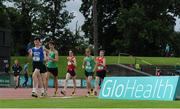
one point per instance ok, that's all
(16, 62)
(71, 53)
(101, 53)
(37, 41)
(88, 52)
(51, 44)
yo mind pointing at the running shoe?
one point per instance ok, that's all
(55, 94)
(73, 93)
(34, 94)
(88, 94)
(95, 93)
(63, 92)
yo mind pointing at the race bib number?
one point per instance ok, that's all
(36, 56)
(69, 63)
(36, 59)
(88, 66)
(100, 68)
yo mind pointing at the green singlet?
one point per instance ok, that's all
(52, 64)
(89, 63)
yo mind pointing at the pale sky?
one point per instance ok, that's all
(177, 27)
(74, 5)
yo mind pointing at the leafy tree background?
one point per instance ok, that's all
(137, 27)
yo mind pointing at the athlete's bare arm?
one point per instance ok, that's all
(83, 65)
(95, 67)
(75, 64)
(45, 57)
(30, 53)
(56, 56)
(45, 49)
(104, 62)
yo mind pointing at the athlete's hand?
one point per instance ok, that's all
(101, 64)
(49, 59)
(94, 70)
(82, 66)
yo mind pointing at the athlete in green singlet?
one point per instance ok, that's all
(88, 66)
(52, 66)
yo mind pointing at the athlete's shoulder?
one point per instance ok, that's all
(73, 57)
(68, 57)
(55, 51)
(33, 48)
(92, 56)
(41, 47)
(85, 58)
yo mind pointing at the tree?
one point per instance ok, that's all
(146, 26)
(4, 22)
(95, 27)
(107, 11)
(45, 18)
(52, 20)
(21, 16)
(86, 10)
(132, 26)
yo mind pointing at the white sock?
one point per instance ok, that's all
(34, 90)
(42, 90)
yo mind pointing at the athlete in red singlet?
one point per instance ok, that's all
(71, 74)
(100, 69)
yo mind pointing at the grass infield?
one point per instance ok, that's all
(109, 59)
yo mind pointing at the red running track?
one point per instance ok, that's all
(25, 93)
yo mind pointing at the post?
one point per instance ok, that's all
(95, 27)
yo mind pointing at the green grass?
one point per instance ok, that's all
(83, 102)
(63, 64)
(110, 60)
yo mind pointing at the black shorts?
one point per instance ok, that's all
(40, 66)
(87, 74)
(72, 73)
(101, 74)
(53, 71)
(16, 74)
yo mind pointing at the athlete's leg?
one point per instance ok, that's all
(17, 80)
(97, 83)
(89, 83)
(35, 80)
(25, 80)
(74, 82)
(41, 82)
(44, 79)
(47, 79)
(56, 83)
(68, 76)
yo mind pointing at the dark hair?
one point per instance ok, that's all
(52, 42)
(37, 38)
